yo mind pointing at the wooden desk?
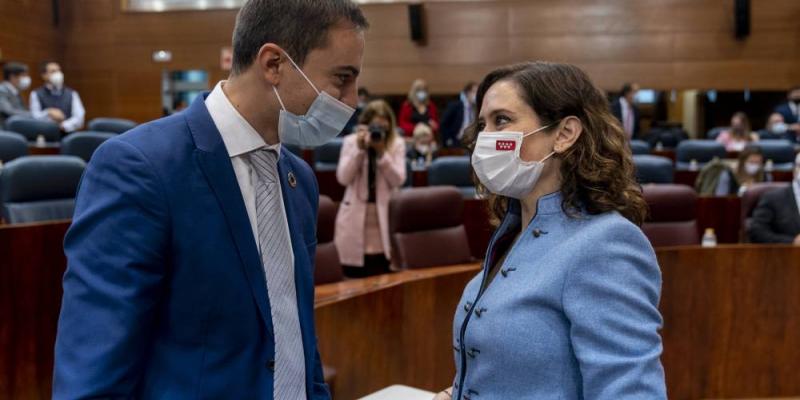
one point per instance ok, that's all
(391, 329)
(731, 321)
(32, 263)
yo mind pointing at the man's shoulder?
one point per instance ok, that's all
(778, 195)
(161, 139)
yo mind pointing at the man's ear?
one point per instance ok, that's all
(270, 61)
(568, 133)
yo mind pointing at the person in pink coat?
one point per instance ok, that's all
(371, 167)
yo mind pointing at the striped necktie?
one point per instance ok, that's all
(274, 244)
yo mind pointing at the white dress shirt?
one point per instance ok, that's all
(71, 124)
(794, 108)
(240, 140)
(468, 117)
(628, 123)
(796, 186)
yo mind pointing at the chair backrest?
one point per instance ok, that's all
(111, 125)
(452, 171)
(427, 228)
(701, 151)
(39, 188)
(672, 220)
(328, 268)
(83, 144)
(669, 137)
(31, 128)
(781, 152)
(12, 145)
(713, 133)
(653, 169)
(639, 147)
(326, 157)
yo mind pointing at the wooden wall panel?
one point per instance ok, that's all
(27, 34)
(663, 44)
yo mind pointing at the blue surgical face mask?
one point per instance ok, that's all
(323, 121)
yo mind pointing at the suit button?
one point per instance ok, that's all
(537, 233)
(271, 365)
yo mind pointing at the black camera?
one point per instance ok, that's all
(376, 133)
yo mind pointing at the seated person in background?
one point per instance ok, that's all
(458, 115)
(716, 179)
(424, 148)
(776, 128)
(739, 134)
(790, 110)
(363, 99)
(56, 102)
(750, 168)
(418, 108)
(776, 218)
(372, 166)
(15, 80)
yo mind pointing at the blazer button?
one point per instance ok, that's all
(537, 233)
(271, 365)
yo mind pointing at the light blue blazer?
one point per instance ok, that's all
(572, 314)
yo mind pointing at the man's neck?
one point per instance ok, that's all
(250, 101)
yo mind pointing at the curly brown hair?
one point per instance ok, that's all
(597, 171)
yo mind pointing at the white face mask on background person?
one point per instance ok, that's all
(323, 121)
(780, 128)
(57, 79)
(752, 168)
(498, 166)
(24, 82)
(422, 96)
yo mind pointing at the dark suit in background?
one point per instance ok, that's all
(453, 121)
(776, 218)
(789, 116)
(11, 103)
(616, 109)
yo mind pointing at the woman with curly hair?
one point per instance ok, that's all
(566, 305)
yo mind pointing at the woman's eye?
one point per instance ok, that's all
(501, 120)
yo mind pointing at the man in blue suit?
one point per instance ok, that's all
(191, 253)
(790, 111)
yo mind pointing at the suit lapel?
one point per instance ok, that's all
(213, 159)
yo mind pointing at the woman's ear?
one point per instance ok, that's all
(569, 131)
(270, 60)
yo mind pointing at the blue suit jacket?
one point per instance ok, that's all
(784, 110)
(165, 294)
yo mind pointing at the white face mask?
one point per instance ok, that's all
(752, 168)
(422, 96)
(498, 166)
(57, 79)
(323, 121)
(24, 82)
(780, 128)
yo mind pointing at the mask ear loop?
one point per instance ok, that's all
(301, 73)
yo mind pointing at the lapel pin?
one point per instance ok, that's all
(292, 180)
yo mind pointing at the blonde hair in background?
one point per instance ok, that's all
(382, 109)
(412, 92)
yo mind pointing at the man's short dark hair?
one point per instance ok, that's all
(297, 26)
(469, 86)
(43, 65)
(626, 88)
(13, 68)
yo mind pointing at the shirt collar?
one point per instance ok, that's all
(237, 134)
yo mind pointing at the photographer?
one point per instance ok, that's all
(372, 167)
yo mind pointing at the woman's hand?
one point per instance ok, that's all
(362, 136)
(446, 394)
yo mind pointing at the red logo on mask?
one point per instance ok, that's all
(505, 145)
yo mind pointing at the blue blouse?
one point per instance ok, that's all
(572, 314)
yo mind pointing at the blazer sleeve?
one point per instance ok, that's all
(392, 164)
(351, 160)
(116, 265)
(611, 300)
(321, 391)
(760, 228)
